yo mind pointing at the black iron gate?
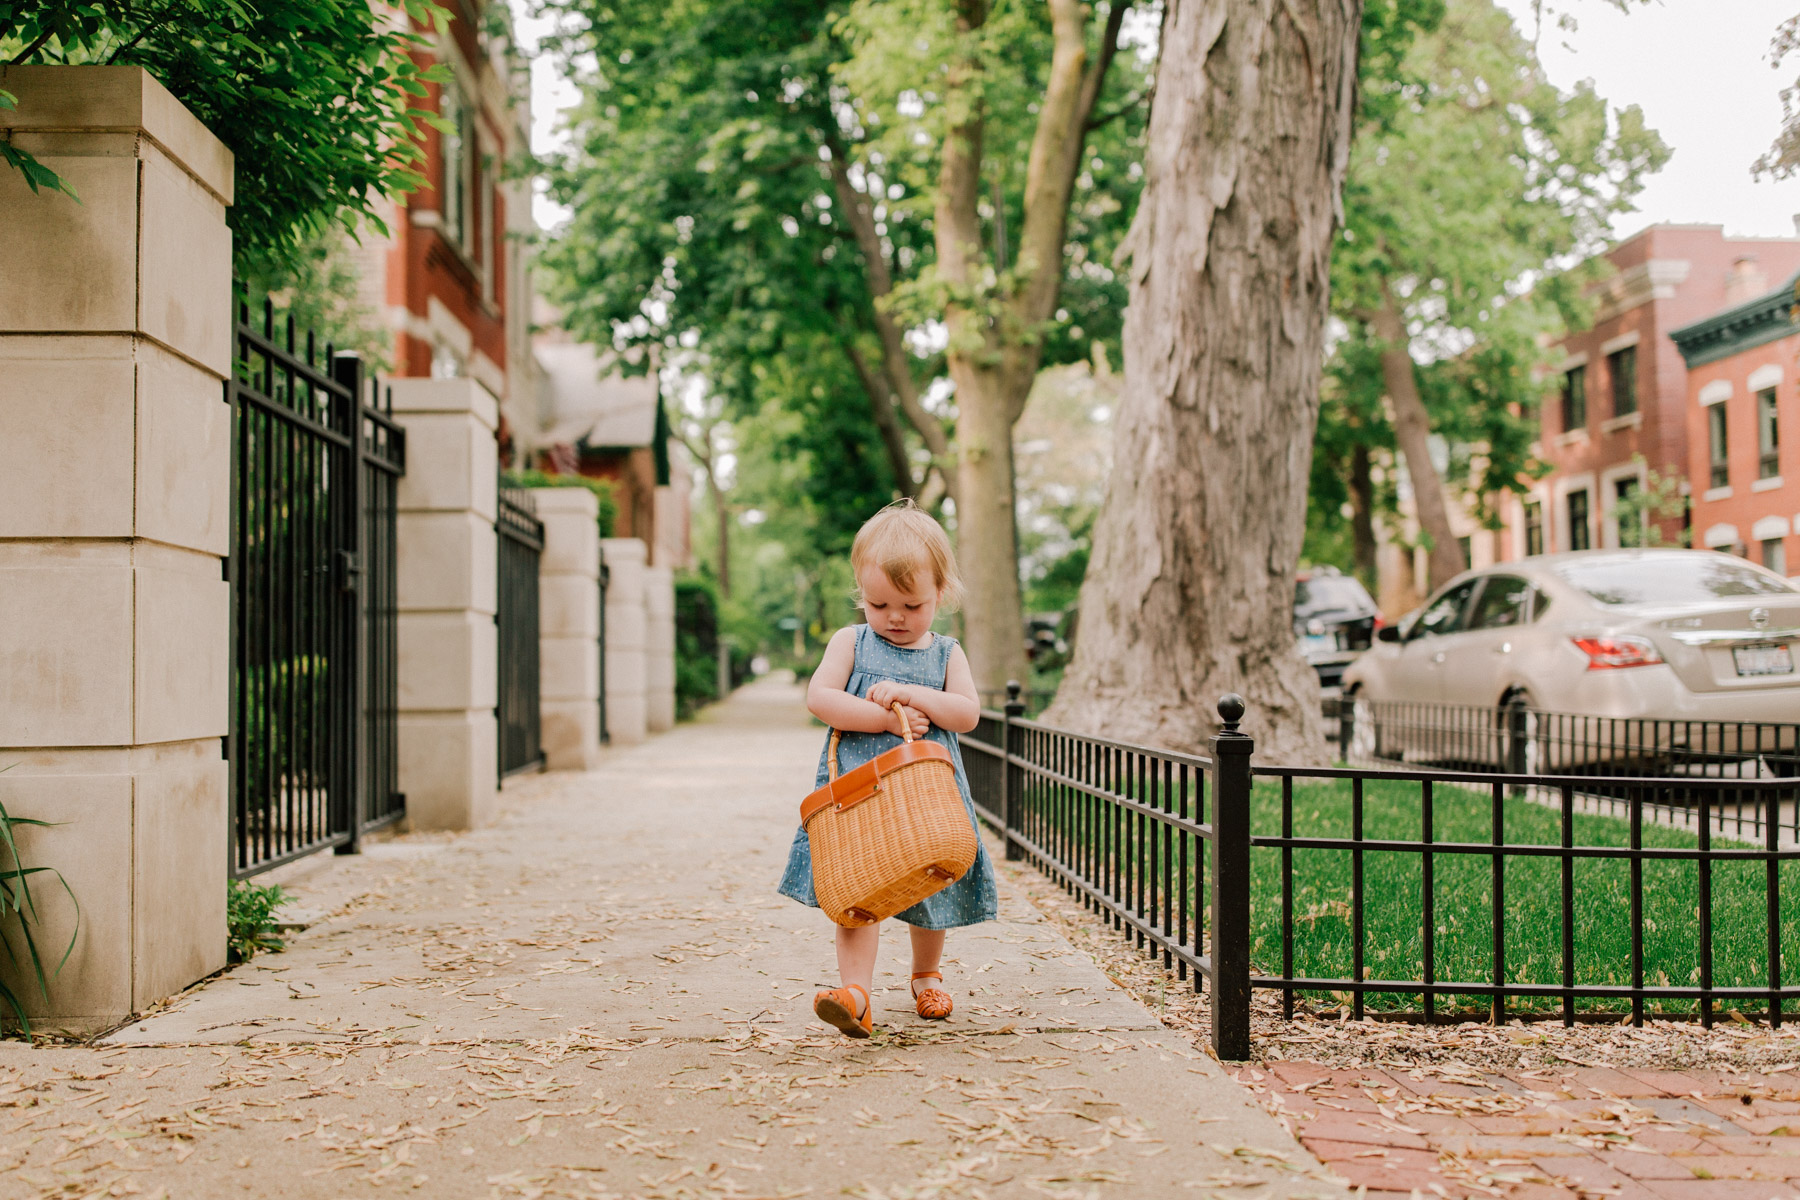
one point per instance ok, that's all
(313, 646)
(521, 538)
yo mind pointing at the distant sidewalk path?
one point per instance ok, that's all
(601, 996)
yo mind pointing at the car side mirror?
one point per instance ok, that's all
(1388, 633)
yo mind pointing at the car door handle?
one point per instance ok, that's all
(1438, 657)
(1503, 648)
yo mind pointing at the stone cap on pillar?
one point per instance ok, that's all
(445, 396)
(59, 100)
(620, 552)
(577, 500)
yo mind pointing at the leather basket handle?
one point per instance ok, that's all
(831, 751)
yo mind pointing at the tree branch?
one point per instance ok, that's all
(1135, 99)
(881, 403)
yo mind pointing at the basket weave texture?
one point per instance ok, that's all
(888, 834)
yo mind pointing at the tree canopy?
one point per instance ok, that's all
(315, 98)
(1478, 195)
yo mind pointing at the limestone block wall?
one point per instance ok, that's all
(659, 647)
(115, 485)
(627, 631)
(569, 627)
(447, 593)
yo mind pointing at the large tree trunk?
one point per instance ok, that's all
(1190, 592)
(1412, 430)
(994, 353)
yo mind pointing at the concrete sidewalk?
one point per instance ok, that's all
(602, 996)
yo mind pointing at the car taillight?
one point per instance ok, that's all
(1611, 653)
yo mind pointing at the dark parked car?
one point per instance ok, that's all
(1335, 619)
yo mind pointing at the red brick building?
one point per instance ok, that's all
(1742, 396)
(1621, 409)
(452, 279)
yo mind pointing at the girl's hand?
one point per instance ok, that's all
(886, 693)
(898, 722)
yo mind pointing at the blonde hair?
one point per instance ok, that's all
(903, 540)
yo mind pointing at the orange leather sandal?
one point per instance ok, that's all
(837, 1007)
(934, 1004)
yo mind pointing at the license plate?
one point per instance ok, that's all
(1763, 660)
(1314, 642)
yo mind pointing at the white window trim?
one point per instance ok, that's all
(1766, 485)
(1720, 535)
(1716, 392)
(1631, 420)
(1763, 378)
(1770, 527)
(1614, 345)
(1571, 362)
(1719, 493)
(1572, 437)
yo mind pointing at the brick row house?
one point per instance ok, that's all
(453, 284)
(1624, 416)
(1741, 394)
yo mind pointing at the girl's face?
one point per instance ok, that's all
(902, 617)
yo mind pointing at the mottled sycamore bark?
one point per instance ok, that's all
(1190, 591)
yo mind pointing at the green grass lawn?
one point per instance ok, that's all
(1462, 894)
(1463, 898)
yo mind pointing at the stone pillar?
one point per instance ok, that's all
(627, 715)
(659, 648)
(569, 627)
(115, 487)
(448, 586)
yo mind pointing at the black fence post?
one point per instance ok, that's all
(1346, 714)
(1011, 778)
(353, 771)
(605, 580)
(1231, 751)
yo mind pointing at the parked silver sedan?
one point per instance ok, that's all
(1626, 637)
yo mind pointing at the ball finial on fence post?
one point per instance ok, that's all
(1013, 688)
(1231, 711)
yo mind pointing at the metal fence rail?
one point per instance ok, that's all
(521, 544)
(311, 568)
(1127, 830)
(1205, 860)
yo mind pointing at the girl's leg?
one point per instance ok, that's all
(927, 952)
(856, 955)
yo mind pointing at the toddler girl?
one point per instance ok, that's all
(904, 572)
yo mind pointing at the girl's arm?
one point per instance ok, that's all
(827, 700)
(956, 708)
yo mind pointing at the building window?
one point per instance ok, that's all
(1574, 399)
(1578, 520)
(1627, 513)
(1534, 528)
(1721, 468)
(1622, 366)
(458, 182)
(1768, 436)
(1774, 555)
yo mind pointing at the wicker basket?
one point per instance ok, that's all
(887, 834)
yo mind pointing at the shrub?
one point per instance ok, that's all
(602, 489)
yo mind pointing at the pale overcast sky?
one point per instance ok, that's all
(1699, 69)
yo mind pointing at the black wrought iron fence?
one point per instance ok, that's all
(516, 710)
(313, 654)
(1428, 893)
(605, 582)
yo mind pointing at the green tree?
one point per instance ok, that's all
(1478, 195)
(314, 98)
(770, 180)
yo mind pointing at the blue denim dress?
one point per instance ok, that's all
(972, 898)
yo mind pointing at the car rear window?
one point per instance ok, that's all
(1670, 580)
(1330, 593)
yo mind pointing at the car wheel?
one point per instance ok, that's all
(1518, 722)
